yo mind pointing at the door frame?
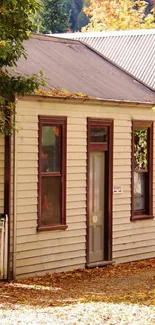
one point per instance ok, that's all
(99, 122)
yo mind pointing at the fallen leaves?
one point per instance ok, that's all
(119, 294)
(53, 92)
(130, 283)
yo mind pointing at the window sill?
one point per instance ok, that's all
(141, 217)
(56, 227)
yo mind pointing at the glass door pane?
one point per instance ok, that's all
(139, 191)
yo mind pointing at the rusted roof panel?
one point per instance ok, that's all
(72, 65)
(132, 50)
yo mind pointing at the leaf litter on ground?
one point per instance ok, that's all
(121, 294)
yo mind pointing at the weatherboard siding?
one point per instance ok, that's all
(50, 250)
(61, 250)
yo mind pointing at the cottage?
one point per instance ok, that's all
(78, 177)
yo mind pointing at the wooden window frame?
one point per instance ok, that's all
(148, 212)
(62, 122)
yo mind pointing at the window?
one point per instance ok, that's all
(52, 173)
(99, 135)
(142, 170)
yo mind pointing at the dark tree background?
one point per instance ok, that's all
(53, 17)
(77, 18)
(59, 16)
(149, 7)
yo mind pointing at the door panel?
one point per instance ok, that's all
(96, 206)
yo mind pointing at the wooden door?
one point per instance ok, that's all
(99, 191)
(96, 206)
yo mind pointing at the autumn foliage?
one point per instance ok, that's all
(53, 92)
(118, 15)
(123, 283)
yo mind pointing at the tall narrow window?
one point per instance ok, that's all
(142, 169)
(52, 173)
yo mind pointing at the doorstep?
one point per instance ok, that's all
(99, 264)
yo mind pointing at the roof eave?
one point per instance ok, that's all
(88, 100)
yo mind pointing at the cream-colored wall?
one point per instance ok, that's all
(61, 250)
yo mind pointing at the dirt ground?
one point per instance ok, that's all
(130, 284)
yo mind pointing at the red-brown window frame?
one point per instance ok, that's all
(62, 122)
(148, 213)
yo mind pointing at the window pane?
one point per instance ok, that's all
(51, 200)
(51, 148)
(139, 191)
(98, 135)
(140, 149)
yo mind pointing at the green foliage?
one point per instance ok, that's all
(140, 149)
(16, 24)
(58, 16)
(74, 7)
(11, 86)
(82, 20)
(15, 27)
(7, 110)
(53, 17)
(77, 18)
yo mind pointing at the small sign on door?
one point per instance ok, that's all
(117, 189)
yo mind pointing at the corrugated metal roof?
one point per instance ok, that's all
(72, 65)
(134, 50)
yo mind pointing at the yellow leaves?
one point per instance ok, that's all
(2, 10)
(2, 44)
(117, 15)
(60, 93)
